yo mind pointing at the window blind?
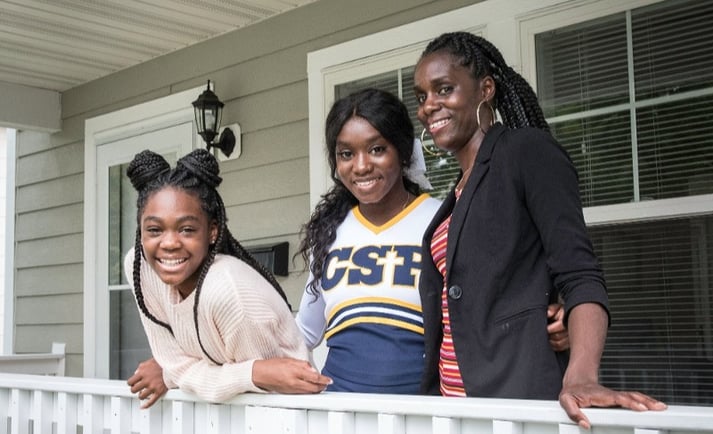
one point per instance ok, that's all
(659, 277)
(591, 89)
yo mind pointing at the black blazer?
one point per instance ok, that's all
(517, 239)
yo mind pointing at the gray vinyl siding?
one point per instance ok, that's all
(48, 246)
(260, 73)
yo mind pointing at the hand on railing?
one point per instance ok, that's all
(147, 381)
(575, 397)
(284, 375)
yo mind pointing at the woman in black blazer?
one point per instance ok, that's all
(507, 240)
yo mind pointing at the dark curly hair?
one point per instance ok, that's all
(196, 174)
(389, 116)
(514, 99)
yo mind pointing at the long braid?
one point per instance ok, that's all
(515, 99)
(196, 173)
(137, 282)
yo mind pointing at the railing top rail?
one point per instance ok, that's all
(675, 417)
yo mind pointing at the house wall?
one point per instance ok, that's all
(260, 72)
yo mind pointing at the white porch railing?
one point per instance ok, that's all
(42, 404)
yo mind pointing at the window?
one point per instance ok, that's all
(630, 96)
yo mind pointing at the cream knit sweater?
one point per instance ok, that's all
(241, 318)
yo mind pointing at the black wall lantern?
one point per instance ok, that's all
(208, 109)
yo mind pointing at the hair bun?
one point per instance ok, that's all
(203, 165)
(145, 167)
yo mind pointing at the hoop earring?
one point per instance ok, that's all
(429, 151)
(492, 115)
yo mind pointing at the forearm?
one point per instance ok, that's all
(587, 328)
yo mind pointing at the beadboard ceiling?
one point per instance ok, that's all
(60, 44)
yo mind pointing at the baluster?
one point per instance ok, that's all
(66, 413)
(182, 417)
(4, 409)
(446, 425)
(507, 427)
(150, 419)
(218, 419)
(42, 411)
(20, 411)
(339, 422)
(392, 424)
(120, 415)
(92, 414)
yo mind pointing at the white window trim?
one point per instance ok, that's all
(9, 292)
(161, 113)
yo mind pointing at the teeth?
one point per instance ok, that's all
(438, 124)
(171, 262)
(364, 183)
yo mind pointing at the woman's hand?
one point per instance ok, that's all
(559, 338)
(577, 396)
(147, 381)
(286, 375)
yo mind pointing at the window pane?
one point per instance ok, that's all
(600, 148)
(122, 222)
(582, 67)
(676, 161)
(672, 52)
(128, 343)
(659, 275)
(388, 81)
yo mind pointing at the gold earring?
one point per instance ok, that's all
(492, 115)
(428, 150)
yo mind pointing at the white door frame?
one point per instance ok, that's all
(141, 119)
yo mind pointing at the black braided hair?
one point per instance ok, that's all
(514, 99)
(389, 116)
(197, 174)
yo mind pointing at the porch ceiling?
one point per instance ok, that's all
(59, 44)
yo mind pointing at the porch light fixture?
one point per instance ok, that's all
(208, 109)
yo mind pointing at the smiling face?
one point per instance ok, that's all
(176, 235)
(448, 96)
(368, 166)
